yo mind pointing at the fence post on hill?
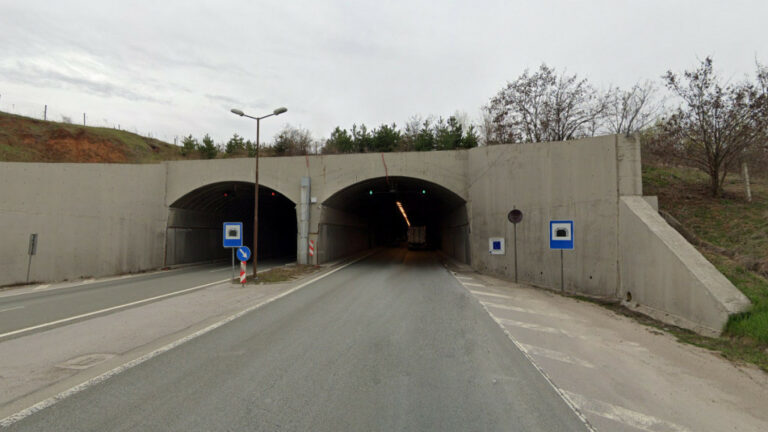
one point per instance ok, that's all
(745, 174)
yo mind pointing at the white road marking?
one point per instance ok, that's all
(623, 415)
(464, 277)
(138, 302)
(537, 327)
(218, 270)
(524, 310)
(473, 284)
(13, 418)
(568, 401)
(39, 287)
(489, 294)
(13, 308)
(556, 355)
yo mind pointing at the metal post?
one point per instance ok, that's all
(233, 262)
(515, 225)
(256, 207)
(45, 113)
(562, 279)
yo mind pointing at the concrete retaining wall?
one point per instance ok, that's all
(567, 180)
(92, 219)
(339, 234)
(667, 277)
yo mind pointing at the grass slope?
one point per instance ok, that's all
(737, 234)
(24, 139)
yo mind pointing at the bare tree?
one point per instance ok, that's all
(629, 111)
(544, 106)
(716, 123)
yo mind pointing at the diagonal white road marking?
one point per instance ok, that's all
(489, 294)
(556, 355)
(623, 415)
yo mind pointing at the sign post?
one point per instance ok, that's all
(32, 251)
(561, 237)
(243, 254)
(515, 216)
(232, 238)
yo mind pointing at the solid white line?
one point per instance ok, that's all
(556, 355)
(64, 320)
(473, 284)
(576, 410)
(13, 308)
(623, 415)
(489, 294)
(42, 287)
(13, 418)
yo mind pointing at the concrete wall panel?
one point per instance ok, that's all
(92, 219)
(667, 277)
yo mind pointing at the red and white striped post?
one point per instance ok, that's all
(311, 248)
(242, 272)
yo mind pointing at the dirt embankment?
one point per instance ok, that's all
(24, 139)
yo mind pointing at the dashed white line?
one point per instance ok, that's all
(623, 415)
(556, 355)
(12, 308)
(489, 294)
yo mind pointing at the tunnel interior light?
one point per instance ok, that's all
(423, 191)
(370, 191)
(402, 210)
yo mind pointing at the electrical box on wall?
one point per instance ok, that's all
(496, 245)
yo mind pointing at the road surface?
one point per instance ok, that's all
(391, 343)
(50, 304)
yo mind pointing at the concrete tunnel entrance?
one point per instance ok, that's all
(194, 231)
(366, 215)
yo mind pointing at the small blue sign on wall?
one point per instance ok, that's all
(561, 234)
(233, 234)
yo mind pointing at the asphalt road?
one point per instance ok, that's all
(21, 311)
(391, 343)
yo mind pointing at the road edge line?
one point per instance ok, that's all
(45, 403)
(546, 377)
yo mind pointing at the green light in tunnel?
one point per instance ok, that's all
(370, 191)
(423, 191)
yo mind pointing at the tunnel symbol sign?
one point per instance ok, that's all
(561, 234)
(233, 234)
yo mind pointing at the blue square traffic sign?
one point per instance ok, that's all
(233, 234)
(561, 234)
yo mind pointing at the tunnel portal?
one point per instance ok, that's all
(194, 231)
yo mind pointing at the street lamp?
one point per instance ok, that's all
(277, 111)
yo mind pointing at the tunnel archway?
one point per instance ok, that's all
(366, 215)
(194, 230)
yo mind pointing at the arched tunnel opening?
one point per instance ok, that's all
(194, 231)
(401, 212)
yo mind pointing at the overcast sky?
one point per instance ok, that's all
(176, 67)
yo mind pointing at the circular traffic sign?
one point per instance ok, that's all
(243, 253)
(515, 216)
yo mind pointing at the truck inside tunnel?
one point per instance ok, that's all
(194, 231)
(380, 212)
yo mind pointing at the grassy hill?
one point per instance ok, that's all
(733, 234)
(24, 139)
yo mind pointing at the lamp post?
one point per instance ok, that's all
(277, 111)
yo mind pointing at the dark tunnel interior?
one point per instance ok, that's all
(424, 204)
(195, 223)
